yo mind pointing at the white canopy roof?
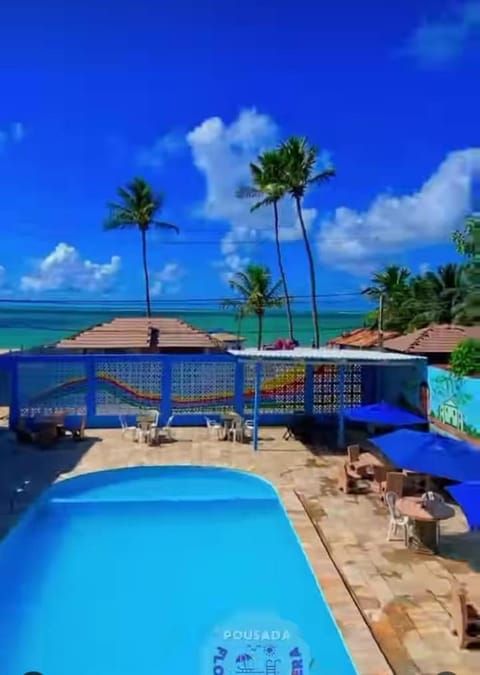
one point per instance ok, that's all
(327, 355)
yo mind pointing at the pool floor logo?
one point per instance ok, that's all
(268, 647)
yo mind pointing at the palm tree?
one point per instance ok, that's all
(257, 294)
(448, 291)
(300, 172)
(138, 207)
(267, 185)
(389, 282)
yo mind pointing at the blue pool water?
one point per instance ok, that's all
(162, 571)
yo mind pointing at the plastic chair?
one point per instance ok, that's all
(215, 429)
(397, 521)
(248, 428)
(167, 429)
(128, 429)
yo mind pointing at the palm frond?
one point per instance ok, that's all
(160, 224)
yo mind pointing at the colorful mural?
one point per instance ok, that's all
(455, 401)
(108, 386)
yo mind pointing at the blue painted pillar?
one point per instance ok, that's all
(14, 416)
(166, 393)
(239, 393)
(91, 393)
(341, 406)
(256, 402)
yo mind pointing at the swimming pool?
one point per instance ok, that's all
(175, 570)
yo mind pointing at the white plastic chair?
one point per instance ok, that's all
(248, 428)
(167, 429)
(236, 430)
(128, 429)
(397, 521)
(215, 429)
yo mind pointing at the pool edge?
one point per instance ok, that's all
(364, 650)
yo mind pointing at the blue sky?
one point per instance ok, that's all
(187, 95)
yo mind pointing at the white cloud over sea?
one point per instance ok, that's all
(168, 280)
(357, 241)
(65, 269)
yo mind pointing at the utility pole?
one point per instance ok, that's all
(380, 322)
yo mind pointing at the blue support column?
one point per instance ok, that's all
(256, 402)
(239, 393)
(14, 400)
(91, 397)
(166, 393)
(341, 406)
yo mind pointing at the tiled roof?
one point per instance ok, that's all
(437, 338)
(361, 338)
(140, 333)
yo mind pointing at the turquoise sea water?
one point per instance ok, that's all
(35, 326)
(181, 570)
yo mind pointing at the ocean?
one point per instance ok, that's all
(33, 326)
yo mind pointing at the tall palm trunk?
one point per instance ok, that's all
(282, 271)
(145, 272)
(311, 268)
(260, 330)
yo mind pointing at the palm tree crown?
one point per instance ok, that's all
(257, 294)
(138, 206)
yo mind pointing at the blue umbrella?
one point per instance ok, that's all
(430, 453)
(467, 496)
(383, 413)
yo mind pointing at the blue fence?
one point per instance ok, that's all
(190, 387)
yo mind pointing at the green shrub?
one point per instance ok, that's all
(465, 358)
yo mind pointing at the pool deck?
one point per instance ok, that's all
(379, 593)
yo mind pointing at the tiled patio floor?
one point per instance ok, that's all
(403, 596)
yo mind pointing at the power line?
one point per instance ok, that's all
(129, 302)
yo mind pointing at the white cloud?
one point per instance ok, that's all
(167, 280)
(222, 153)
(13, 133)
(356, 241)
(154, 156)
(64, 269)
(442, 40)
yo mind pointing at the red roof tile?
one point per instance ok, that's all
(140, 333)
(437, 338)
(361, 338)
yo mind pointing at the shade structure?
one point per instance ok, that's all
(430, 453)
(467, 496)
(383, 413)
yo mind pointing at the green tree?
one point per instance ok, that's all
(300, 171)
(465, 358)
(257, 294)
(467, 242)
(268, 186)
(138, 206)
(447, 290)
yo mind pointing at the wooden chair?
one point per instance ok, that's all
(395, 482)
(465, 617)
(353, 453)
(347, 479)
(379, 476)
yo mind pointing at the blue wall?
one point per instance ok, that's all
(455, 401)
(190, 387)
